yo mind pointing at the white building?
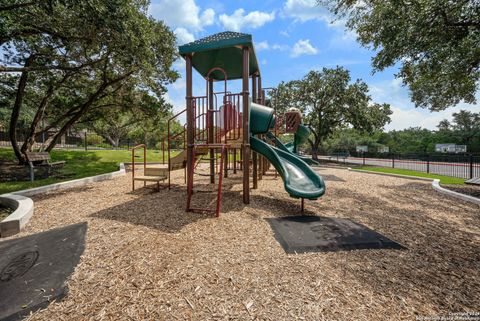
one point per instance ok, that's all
(450, 148)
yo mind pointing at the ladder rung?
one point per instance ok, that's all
(202, 210)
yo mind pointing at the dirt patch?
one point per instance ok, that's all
(4, 212)
(12, 172)
(464, 189)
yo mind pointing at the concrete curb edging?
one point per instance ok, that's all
(24, 206)
(73, 183)
(21, 215)
(435, 185)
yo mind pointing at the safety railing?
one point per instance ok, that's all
(232, 117)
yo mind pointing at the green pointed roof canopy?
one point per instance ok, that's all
(222, 50)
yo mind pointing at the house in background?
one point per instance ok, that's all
(450, 148)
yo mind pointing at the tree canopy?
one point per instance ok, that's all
(464, 129)
(436, 43)
(64, 59)
(331, 102)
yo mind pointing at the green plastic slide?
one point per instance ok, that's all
(299, 179)
(289, 148)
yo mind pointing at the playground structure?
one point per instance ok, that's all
(293, 125)
(219, 124)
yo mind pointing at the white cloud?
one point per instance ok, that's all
(208, 17)
(182, 13)
(183, 36)
(179, 64)
(414, 117)
(303, 47)
(405, 114)
(263, 45)
(304, 10)
(276, 46)
(345, 40)
(238, 20)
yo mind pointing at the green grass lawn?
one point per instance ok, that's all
(79, 164)
(443, 179)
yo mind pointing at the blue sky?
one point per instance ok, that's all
(291, 37)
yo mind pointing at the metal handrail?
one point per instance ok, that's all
(170, 139)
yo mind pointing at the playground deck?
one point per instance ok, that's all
(146, 258)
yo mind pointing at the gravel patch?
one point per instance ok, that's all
(147, 259)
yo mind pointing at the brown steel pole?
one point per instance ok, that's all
(210, 130)
(260, 91)
(246, 126)
(190, 122)
(254, 154)
(260, 101)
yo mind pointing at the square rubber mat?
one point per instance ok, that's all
(332, 178)
(34, 268)
(301, 234)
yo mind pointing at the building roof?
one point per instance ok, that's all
(223, 50)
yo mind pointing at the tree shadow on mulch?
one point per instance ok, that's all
(441, 266)
(54, 194)
(165, 210)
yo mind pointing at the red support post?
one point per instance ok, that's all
(254, 154)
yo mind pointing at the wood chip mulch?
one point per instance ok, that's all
(147, 259)
(472, 190)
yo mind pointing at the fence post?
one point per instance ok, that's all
(363, 154)
(393, 160)
(85, 140)
(428, 163)
(471, 166)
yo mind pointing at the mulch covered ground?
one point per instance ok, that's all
(472, 190)
(147, 259)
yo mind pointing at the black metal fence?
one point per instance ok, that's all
(464, 166)
(81, 140)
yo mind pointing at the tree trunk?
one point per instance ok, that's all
(30, 139)
(22, 83)
(82, 110)
(314, 148)
(112, 140)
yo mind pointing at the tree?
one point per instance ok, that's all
(466, 126)
(128, 110)
(464, 130)
(434, 41)
(412, 140)
(330, 102)
(70, 56)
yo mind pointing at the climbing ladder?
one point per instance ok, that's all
(193, 170)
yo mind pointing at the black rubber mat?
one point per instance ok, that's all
(301, 234)
(33, 269)
(332, 178)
